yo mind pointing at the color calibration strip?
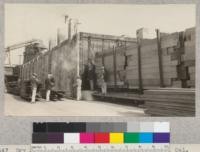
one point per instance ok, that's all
(90, 133)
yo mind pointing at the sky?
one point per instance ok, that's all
(40, 21)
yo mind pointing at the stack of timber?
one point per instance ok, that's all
(150, 62)
(171, 51)
(114, 63)
(132, 66)
(189, 55)
(92, 43)
(12, 87)
(170, 102)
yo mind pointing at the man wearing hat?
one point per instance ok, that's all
(34, 84)
(103, 78)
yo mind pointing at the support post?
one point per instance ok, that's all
(78, 55)
(103, 52)
(160, 62)
(139, 37)
(89, 47)
(9, 60)
(114, 67)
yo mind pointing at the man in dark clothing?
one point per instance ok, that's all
(91, 75)
(49, 84)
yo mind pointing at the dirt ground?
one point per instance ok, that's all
(15, 106)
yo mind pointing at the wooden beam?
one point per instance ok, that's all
(103, 59)
(89, 47)
(160, 62)
(139, 63)
(114, 67)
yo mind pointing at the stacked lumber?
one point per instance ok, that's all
(150, 62)
(170, 102)
(132, 66)
(120, 65)
(191, 81)
(112, 58)
(98, 65)
(108, 64)
(170, 56)
(189, 55)
(12, 87)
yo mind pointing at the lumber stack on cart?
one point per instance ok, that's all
(171, 52)
(150, 61)
(170, 102)
(132, 66)
(189, 55)
(114, 62)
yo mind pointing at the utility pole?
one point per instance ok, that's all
(69, 29)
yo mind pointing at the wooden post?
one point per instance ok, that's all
(139, 61)
(114, 67)
(9, 60)
(50, 61)
(78, 55)
(160, 58)
(89, 47)
(103, 60)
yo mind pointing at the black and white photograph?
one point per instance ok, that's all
(99, 60)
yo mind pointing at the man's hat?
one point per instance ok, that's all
(34, 74)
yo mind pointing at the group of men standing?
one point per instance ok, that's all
(91, 77)
(49, 84)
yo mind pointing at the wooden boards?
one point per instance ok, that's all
(113, 58)
(150, 62)
(170, 102)
(189, 55)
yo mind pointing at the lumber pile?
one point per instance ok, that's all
(177, 55)
(170, 102)
(150, 62)
(12, 87)
(171, 58)
(189, 55)
(132, 66)
(113, 58)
